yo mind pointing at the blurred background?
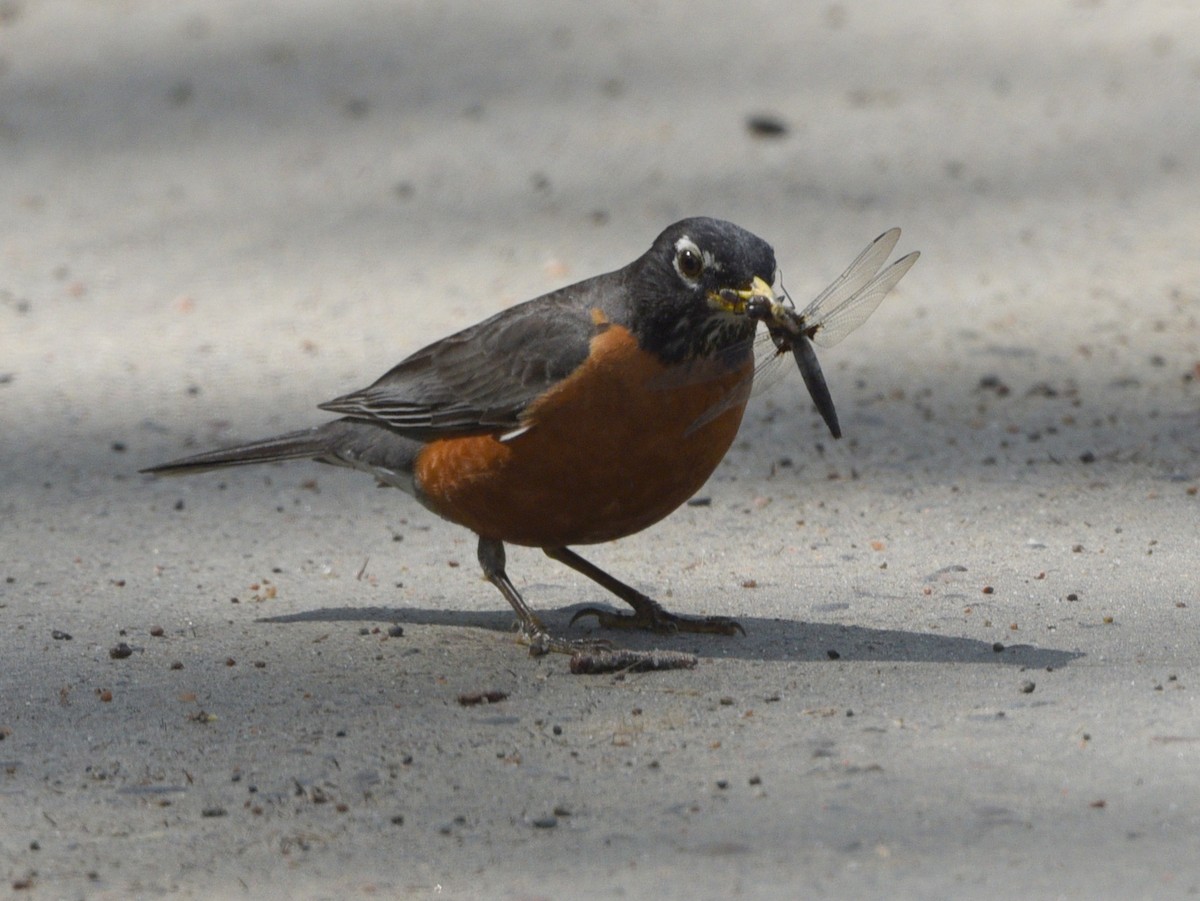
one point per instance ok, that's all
(193, 188)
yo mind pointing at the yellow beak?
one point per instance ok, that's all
(735, 301)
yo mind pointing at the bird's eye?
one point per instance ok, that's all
(689, 262)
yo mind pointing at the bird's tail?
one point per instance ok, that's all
(303, 445)
(345, 442)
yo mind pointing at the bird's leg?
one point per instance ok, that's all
(647, 612)
(532, 632)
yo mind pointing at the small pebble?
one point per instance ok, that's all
(1027, 687)
(765, 125)
(997, 647)
(547, 822)
(120, 651)
(470, 699)
(395, 631)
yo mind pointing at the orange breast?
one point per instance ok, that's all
(610, 450)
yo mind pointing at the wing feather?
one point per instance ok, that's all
(483, 378)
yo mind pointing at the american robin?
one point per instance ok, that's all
(579, 417)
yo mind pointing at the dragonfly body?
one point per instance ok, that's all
(832, 315)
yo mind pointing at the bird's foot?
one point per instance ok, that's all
(652, 617)
(541, 642)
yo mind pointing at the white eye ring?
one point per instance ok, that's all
(689, 261)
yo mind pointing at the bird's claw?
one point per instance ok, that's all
(541, 642)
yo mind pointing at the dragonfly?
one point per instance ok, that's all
(833, 314)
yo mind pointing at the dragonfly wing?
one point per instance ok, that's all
(854, 310)
(767, 372)
(857, 274)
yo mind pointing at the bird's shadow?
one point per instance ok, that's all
(765, 639)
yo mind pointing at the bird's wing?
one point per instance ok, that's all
(483, 378)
